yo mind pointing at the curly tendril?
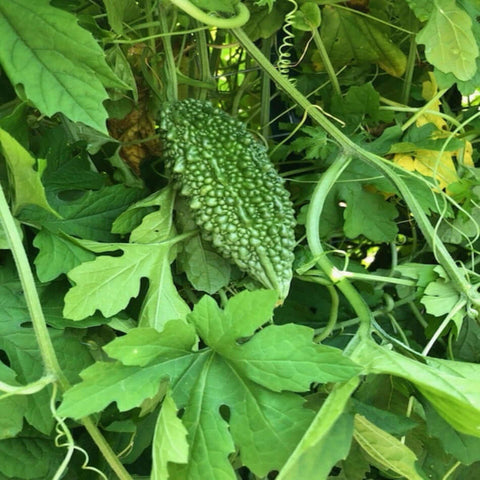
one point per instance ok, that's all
(284, 63)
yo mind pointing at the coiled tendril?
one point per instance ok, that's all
(284, 63)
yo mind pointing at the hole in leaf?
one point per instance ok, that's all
(225, 412)
(4, 358)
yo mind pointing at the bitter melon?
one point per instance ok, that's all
(237, 198)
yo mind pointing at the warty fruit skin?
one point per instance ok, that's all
(237, 198)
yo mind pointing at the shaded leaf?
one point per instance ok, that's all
(206, 270)
(120, 11)
(463, 447)
(19, 343)
(387, 451)
(57, 255)
(89, 216)
(354, 467)
(12, 409)
(314, 143)
(349, 37)
(29, 458)
(368, 214)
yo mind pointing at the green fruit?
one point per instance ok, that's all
(237, 198)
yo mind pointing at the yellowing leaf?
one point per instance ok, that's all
(429, 90)
(405, 160)
(431, 164)
(439, 165)
(437, 120)
(467, 158)
(429, 87)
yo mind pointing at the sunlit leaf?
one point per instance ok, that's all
(264, 424)
(58, 64)
(450, 386)
(27, 185)
(169, 442)
(449, 41)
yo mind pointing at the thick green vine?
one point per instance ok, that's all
(53, 371)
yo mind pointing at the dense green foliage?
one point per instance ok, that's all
(153, 157)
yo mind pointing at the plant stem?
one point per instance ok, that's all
(460, 304)
(451, 470)
(32, 300)
(421, 111)
(205, 74)
(107, 452)
(332, 317)
(326, 61)
(266, 92)
(370, 277)
(407, 82)
(169, 63)
(315, 208)
(47, 352)
(240, 19)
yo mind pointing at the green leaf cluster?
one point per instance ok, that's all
(239, 378)
(131, 347)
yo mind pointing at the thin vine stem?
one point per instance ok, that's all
(459, 306)
(134, 41)
(205, 74)
(332, 317)
(265, 92)
(421, 111)
(451, 470)
(407, 81)
(372, 18)
(326, 61)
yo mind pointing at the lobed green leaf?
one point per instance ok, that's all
(58, 64)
